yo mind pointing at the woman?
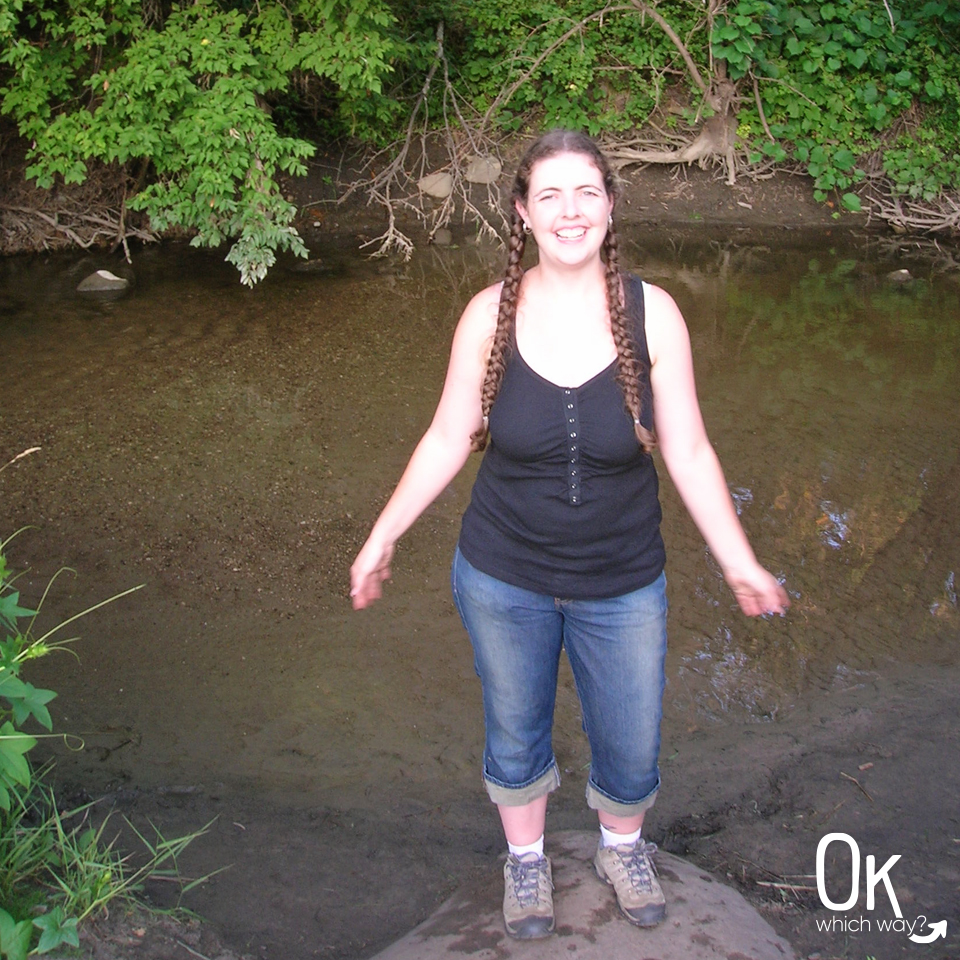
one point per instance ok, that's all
(574, 372)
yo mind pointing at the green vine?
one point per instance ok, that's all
(837, 80)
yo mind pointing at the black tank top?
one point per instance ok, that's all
(566, 502)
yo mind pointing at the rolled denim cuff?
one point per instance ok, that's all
(597, 800)
(506, 796)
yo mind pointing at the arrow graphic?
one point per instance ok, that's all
(938, 929)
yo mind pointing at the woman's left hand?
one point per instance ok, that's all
(758, 592)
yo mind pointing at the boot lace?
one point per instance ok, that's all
(527, 877)
(638, 865)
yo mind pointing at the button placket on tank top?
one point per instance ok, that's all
(571, 416)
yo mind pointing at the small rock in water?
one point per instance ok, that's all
(313, 265)
(442, 237)
(900, 276)
(103, 281)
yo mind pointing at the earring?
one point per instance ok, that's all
(610, 220)
(526, 227)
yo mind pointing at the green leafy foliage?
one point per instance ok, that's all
(19, 700)
(15, 937)
(836, 78)
(10, 609)
(200, 107)
(185, 105)
(56, 931)
(606, 77)
(14, 769)
(921, 164)
(60, 868)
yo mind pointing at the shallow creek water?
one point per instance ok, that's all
(229, 449)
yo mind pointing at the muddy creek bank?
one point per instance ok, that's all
(229, 449)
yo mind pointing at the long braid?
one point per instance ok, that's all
(629, 365)
(506, 323)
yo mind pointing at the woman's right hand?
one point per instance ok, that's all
(368, 572)
(441, 452)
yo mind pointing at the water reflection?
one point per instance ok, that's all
(230, 449)
(722, 678)
(834, 526)
(946, 604)
(742, 498)
(829, 391)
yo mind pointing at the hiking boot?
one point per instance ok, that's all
(528, 896)
(630, 871)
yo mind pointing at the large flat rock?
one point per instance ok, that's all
(706, 920)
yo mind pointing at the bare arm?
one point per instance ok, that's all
(440, 454)
(692, 462)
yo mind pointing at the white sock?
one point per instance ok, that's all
(610, 839)
(519, 850)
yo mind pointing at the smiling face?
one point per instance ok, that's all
(567, 207)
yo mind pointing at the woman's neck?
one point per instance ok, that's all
(564, 304)
(567, 284)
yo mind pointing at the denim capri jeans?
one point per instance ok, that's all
(616, 648)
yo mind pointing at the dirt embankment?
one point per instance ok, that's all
(656, 194)
(93, 215)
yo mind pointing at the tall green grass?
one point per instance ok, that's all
(58, 868)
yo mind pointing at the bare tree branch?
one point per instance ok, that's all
(647, 10)
(395, 189)
(893, 26)
(763, 117)
(507, 93)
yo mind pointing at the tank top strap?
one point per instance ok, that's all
(634, 302)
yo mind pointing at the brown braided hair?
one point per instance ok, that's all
(629, 364)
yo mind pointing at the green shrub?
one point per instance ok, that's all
(57, 867)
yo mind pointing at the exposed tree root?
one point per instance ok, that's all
(717, 139)
(87, 215)
(913, 216)
(939, 215)
(68, 227)
(395, 188)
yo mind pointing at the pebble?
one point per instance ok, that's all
(900, 276)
